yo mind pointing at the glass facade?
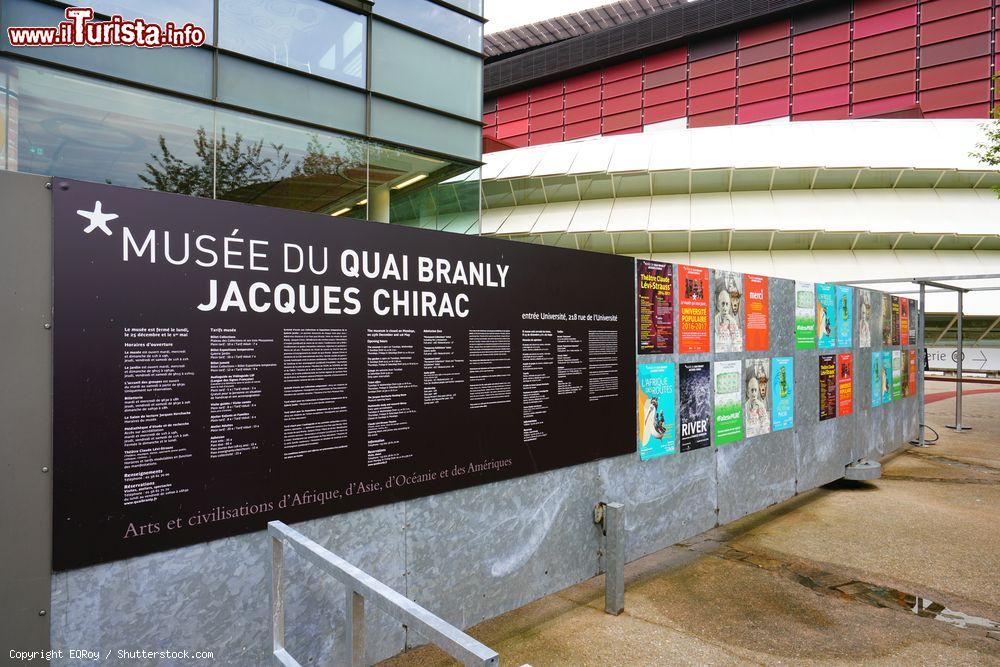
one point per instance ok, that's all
(275, 111)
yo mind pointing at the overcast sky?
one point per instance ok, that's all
(503, 14)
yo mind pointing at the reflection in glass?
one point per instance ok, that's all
(435, 20)
(307, 35)
(198, 12)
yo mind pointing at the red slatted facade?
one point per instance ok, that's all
(847, 60)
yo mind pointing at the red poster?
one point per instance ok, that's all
(693, 306)
(913, 373)
(757, 336)
(904, 321)
(845, 384)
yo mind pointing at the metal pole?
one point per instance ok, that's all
(961, 359)
(921, 347)
(614, 576)
(354, 629)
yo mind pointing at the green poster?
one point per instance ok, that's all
(805, 316)
(728, 407)
(897, 379)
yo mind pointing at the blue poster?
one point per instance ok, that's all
(876, 379)
(655, 402)
(845, 315)
(826, 317)
(782, 393)
(886, 377)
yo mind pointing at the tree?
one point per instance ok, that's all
(989, 149)
(221, 167)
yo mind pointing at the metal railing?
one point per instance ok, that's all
(361, 587)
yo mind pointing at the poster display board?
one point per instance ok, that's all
(218, 365)
(887, 377)
(864, 318)
(693, 306)
(655, 307)
(655, 405)
(826, 317)
(727, 325)
(827, 386)
(897, 377)
(845, 384)
(695, 386)
(757, 385)
(845, 316)
(877, 379)
(783, 393)
(805, 316)
(757, 336)
(728, 408)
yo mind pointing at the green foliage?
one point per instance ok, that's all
(988, 150)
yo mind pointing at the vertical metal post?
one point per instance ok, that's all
(961, 359)
(277, 596)
(614, 554)
(922, 350)
(354, 629)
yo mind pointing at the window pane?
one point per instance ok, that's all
(263, 88)
(409, 67)
(474, 6)
(71, 126)
(307, 35)
(198, 12)
(187, 70)
(423, 129)
(276, 164)
(435, 20)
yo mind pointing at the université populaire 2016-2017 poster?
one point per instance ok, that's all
(693, 329)
(655, 402)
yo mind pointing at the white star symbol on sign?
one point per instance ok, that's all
(98, 219)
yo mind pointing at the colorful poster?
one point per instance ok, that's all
(886, 376)
(827, 386)
(655, 307)
(693, 306)
(728, 409)
(913, 373)
(805, 316)
(904, 321)
(911, 337)
(728, 323)
(904, 373)
(877, 379)
(757, 385)
(757, 326)
(655, 404)
(845, 316)
(826, 323)
(864, 318)
(896, 314)
(897, 378)
(783, 392)
(845, 384)
(695, 411)
(886, 319)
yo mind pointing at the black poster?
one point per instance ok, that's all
(219, 365)
(655, 307)
(913, 324)
(827, 386)
(695, 402)
(896, 319)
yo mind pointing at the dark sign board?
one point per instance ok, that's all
(655, 307)
(695, 400)
(219, 365)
